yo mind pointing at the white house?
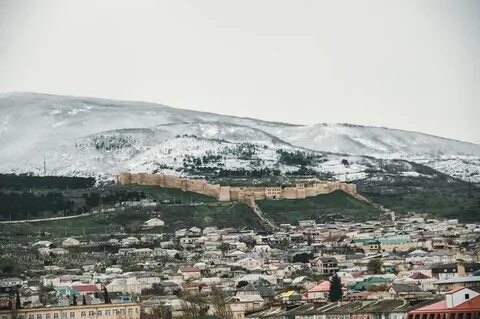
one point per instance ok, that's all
(153, 222)
(129, 241)
(249, 263)
(262, 249)
(70, 242)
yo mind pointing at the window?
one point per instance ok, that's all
(31, 317)
(55, 315)
(72, 314)
(48, 316)
(91, 313)
(122, 311)
(99, 312)
(107, 312)
(467, 296)
(130, 311)
(83, 314)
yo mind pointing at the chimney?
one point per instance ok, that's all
(460, 268)
(449, 300)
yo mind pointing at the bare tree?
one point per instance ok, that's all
(162, 312)
(220, 307)
(15, 306)
(194, 306)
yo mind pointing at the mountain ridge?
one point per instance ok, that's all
(328, 124)
(34, 125)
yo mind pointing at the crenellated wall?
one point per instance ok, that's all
(230, 193)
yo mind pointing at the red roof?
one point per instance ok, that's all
(441, 306)
(85, 288)
(419, 275)
(321, 287)
(189, 269)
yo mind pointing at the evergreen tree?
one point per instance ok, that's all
(106, 296)
(74, 301)
(335, 293)
(375, 266)
(18, 304)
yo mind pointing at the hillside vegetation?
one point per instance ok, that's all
(329, 207)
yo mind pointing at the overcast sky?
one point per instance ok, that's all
(411, 65)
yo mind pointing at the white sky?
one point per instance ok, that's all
(412, 65)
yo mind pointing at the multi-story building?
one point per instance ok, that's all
(129, 310)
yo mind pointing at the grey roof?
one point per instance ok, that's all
(399, 288)
(248, 287)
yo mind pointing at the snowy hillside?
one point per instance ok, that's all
(96, 137)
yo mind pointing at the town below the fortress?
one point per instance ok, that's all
(405, 268)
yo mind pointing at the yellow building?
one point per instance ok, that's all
(100, 311)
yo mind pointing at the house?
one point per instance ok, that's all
(188, 242)
(126, 285)
(404, 289)
(290, 297)
(458, 282)
(262, 249)
(247, 302)
(42, 243)
(326, 265)
(382, 309)
(86, 289)
(190, 273)
(256, 279)
(249, 263)
(142, 252)
(194, 231)
(70, 242)
(460, 269)
(129, 241)
(247, 290)
(283, 271)
(236, 254)
(107, 311)
(153, 222)
(396, 243)
(59, 251)
(11, 282)
(459, 303)
(303, 282)
(89, 265)
(319, 291)
(165, 252)
(306, 223)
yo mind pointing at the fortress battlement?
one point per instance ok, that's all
(237, 193)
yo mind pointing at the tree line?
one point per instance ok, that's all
(27, 181)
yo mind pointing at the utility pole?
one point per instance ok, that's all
(44, 166)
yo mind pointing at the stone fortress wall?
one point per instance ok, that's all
(237, 193)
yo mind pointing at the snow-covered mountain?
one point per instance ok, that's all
(97, 137)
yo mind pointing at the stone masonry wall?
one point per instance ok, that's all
(228, 193)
